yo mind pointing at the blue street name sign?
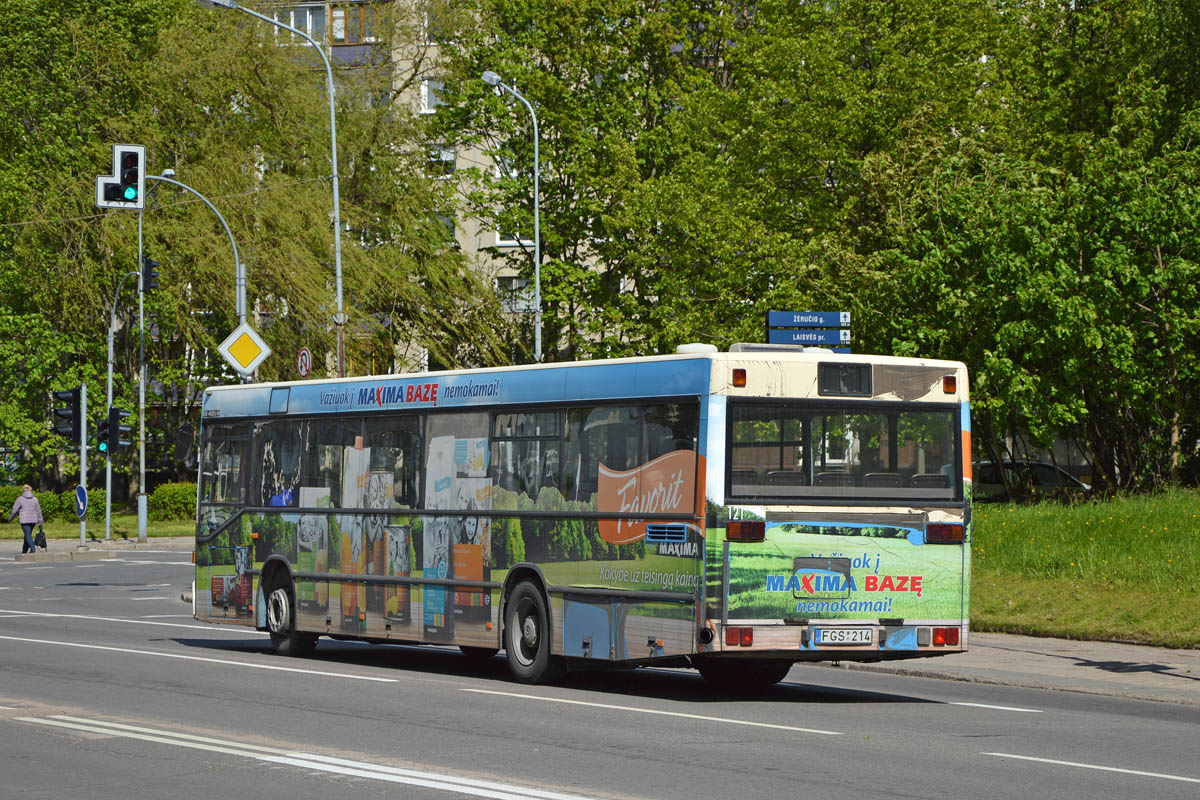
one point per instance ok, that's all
(817, 337)
(818, 319)
(80, 501)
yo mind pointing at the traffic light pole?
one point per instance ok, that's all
(112, 328)
(83, 460)
(141, 497)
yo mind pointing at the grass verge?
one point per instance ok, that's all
(124, 526)
(1123, 569)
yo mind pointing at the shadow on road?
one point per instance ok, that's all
(679, 685)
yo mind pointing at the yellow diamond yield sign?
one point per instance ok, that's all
(244, 349)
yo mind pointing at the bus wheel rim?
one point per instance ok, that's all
(277, 611)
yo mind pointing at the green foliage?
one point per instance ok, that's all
(95, 506)
(51, 506)
(241, 116)
(8, 496)
(172, 501)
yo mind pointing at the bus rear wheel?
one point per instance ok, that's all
(281, 622)
(742, 674)
(527, 636)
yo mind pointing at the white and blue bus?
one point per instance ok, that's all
(732, 511)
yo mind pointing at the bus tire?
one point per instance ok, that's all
(742, 674)
(527, 636)
(281, 622)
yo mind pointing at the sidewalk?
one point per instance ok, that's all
(99, 550)
(1116, 670)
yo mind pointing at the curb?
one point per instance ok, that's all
(66, 555)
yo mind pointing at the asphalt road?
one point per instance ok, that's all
(108, 689)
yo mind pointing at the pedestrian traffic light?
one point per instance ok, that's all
(116, 430)
(126, 186)
(102, 437)
(69, 428)
(149, 274)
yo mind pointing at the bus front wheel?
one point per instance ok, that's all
(281, 622)
(527, 636)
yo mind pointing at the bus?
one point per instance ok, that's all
(736, 512)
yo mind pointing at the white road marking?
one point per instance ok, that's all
(998, 708)
(210, 628)
(1097, 767)
(149, 598)
(657, 712)
(432, 780)
(182, 657)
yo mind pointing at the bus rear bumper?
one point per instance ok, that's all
(841, 640)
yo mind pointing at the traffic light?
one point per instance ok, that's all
(126, 186)
(102, 437)
(69, 429)
(149, 274)
(116, 430)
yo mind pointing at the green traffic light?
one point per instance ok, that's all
(131, 193)
(103, 447)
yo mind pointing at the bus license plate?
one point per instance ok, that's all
(843, 636)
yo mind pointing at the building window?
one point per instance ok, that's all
(352, 23)
(435, 27)
(441, 162)
(516, 294)
(309, 19)
(432, 95)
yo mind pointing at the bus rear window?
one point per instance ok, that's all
(792, 452)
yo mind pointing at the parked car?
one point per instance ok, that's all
(1037, 477)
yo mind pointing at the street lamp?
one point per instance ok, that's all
(492, 79)
(339, 319)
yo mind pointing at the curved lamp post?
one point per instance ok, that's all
(339, 318)
(492, 79)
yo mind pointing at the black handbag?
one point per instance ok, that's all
(40, 539)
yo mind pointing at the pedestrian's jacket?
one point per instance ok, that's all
(27, 508)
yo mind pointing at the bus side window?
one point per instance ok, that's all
(608, 435)
(323, 460)
(395, 445)
(525, 451)
(277, 446)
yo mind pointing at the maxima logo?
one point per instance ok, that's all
(381, 396)
(815, 577)
(812, 583)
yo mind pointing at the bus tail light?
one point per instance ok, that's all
(746, 530)
(736, 636)
(952, 637)
(949, 384)
(939, 637)
(944, 533)
(739, 378)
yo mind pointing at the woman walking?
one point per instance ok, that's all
(29, 511)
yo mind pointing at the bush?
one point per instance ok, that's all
(8, 496)
(95, 509)
(172, 501)
(51, 509)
